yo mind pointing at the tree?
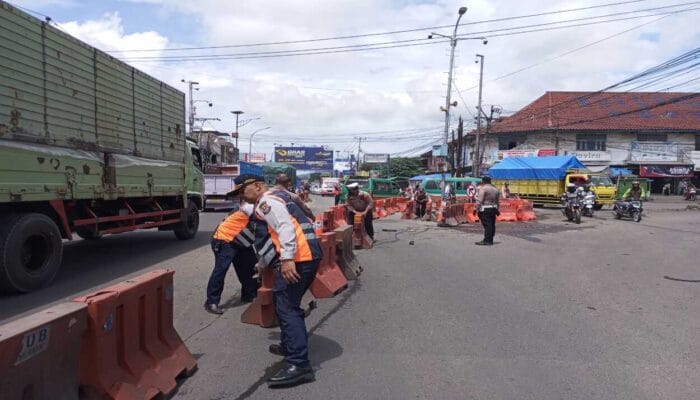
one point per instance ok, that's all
(402, 166)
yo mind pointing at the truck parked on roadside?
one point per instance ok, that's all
(89, 146)
(216, 186)
(542, 180)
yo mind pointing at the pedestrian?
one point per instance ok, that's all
(505, 191)
(336, 193)
(421, 202)
(487, 201)
(471, 192)
(232, 243)
(360, 202)
(285, 241)
(282, 182)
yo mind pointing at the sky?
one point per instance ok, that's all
(392, 96)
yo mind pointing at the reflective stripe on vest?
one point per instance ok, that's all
(234, 228)
(308, 246)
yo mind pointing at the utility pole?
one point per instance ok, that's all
(238, 113)
(359, 150)
(476, 165)
(460, 139)
(191, 85)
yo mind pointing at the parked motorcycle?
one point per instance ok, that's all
(588, 205)
(628, 209)
(572, 208)
(691, 194)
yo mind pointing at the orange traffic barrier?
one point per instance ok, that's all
(339, 216)
(408, 212)
(379, 209)
(391, 205)
(507, 210)
(346, 259)
(470, 212)
(39, 354)
(131, 349)
(262, 310)
(525, 211)
(329, 279)
(459, 214)
(327, 221)
(360, 238)
(401, 205)
(450, 215)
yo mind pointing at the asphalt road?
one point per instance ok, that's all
(552, 311)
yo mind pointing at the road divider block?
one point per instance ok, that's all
(339, 216)
(329, 281)
(459, 214)
(525, 211)
(262, 310)
(470, 212)
(380, 209)
(131, 349)
(450, 215)
(360, 238)
(347, 261)
(507, 211)
(39, 354)
(408, 212)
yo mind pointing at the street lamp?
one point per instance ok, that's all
(191, 85)
(250, 140)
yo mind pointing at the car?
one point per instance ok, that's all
(315, 189)
(327, 189)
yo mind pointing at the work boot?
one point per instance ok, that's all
(213, 309)
(291, 375)
(276, 349)
(482, 243)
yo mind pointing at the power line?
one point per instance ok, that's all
(379, 33)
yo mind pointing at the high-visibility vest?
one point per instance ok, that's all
(234, 229)
(308, 245)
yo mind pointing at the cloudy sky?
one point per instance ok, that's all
(390, 96)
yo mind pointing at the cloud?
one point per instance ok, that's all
(403, 88)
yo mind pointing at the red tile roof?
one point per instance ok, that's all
(590, 111)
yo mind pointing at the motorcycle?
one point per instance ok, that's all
(628, 209)
(588, 205)
(572, 209)
(691, 194)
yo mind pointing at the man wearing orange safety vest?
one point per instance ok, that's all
(232, 242)
(285, 241)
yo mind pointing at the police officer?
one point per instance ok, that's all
(487, 200)
(285, 241)
(232, 242)
(359, 201)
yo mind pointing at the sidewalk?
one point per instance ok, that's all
(670, 203)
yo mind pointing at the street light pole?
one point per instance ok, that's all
(476, 163)
(191, 85)
(238, 113)
(250, 141)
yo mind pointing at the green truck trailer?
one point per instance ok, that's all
(88, 146)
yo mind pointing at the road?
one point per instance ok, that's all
(552, 311)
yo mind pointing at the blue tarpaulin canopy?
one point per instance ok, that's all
(534, 167)
(615, 172)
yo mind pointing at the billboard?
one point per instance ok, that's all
(376, 158)
(654, 151)
(305, 158)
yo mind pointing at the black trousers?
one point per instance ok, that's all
(420, 209)
(243, 260)
(488, 220)
(337, 199)
(369, 226)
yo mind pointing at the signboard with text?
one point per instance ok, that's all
(666, 171)
(592, 156)
(305, 158)
(654, 151)
(376, 158)
(501, 154)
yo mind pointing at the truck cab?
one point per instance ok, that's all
(193, 174)
(601, 185)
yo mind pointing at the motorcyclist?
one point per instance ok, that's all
(571, 192)
(635, 192)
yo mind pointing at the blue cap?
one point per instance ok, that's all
(242, 181)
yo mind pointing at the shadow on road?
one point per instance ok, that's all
(90, 264)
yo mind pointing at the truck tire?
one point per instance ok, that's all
(187, 229)
(597, 207)
(30, 252)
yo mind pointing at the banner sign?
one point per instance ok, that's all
(376, 158)
(654, 151)
(501, 154)
(592, 156)
(255, 158)
(666, 171)
(305, 158)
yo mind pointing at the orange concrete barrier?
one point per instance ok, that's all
(339, 216)
(360, 238)
(131, 349)
(508, 211)
(379, 209)
(346, 259)
(470, 212)
(525, 211)
(391, 205)
(39, 354)
(262, 310)
(401, 205)
(329, 281)
(459, 214)
(409, 211)
(450, 215)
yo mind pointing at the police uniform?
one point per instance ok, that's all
(361, 202)
(488, 199)
(232, 242)
(283, 232)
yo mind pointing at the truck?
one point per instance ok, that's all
(543, 180)
(272, 169)
(328, 185)
(216, 186)
(89, 146)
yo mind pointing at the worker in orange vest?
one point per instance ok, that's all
(232, 242)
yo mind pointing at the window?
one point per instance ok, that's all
(652, 137)
(591, 142)
(507, 142)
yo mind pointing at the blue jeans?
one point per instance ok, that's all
(243, 260)
(287, 298)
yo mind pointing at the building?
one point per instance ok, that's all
(217, 149)
(654, 134)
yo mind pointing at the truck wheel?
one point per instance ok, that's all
(187, 229)
(597, 207)
(30, 252)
